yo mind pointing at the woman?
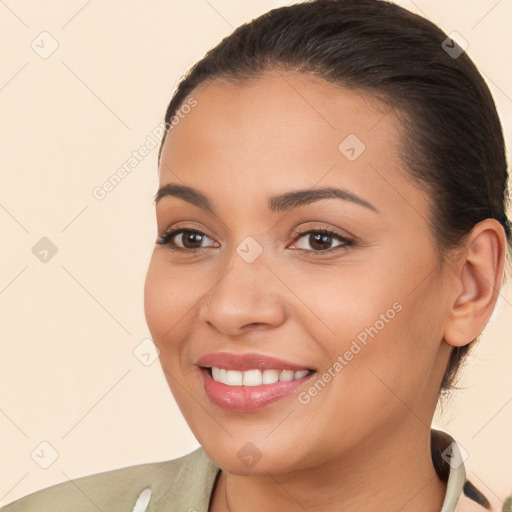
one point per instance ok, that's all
(332, 239)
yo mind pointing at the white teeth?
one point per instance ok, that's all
(234, 378)
(270, 376)
(286, 375)
(252, 378)
(255, 377)
(219, 374)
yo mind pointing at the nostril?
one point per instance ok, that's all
(142, 502)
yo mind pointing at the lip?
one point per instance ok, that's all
(248, 398)
(243, 362)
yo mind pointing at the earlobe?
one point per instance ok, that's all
(478, 281)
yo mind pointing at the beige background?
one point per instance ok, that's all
(69, 326)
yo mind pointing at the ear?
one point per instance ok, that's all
(478, 276)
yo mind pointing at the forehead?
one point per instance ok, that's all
(287, 104)
(286, 130)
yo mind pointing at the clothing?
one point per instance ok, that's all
(185, 484)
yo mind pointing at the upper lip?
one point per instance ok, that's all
(243, 362)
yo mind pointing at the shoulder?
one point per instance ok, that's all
(188, 479)
(474, 500)
(462, 495)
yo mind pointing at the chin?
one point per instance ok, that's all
(242, 457)
(254, 463)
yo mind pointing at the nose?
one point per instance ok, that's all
(247, 296)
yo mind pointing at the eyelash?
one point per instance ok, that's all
(165, 239)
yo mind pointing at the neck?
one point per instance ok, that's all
(389, 474)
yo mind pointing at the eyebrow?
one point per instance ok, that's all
(279, 203)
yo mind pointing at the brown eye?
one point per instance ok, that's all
(189, 239)
(183, 239)
(319, 240)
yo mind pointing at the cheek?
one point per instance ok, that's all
(396, 349)
(169, 298)
(345, 302)
(168, 305)
(386, 336)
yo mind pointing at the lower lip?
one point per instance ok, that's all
(249, 398)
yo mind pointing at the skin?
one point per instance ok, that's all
(363, 443)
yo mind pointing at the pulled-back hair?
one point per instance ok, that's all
(452, 143)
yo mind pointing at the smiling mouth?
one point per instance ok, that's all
(254, 377)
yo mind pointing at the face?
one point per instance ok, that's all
(293, 233)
